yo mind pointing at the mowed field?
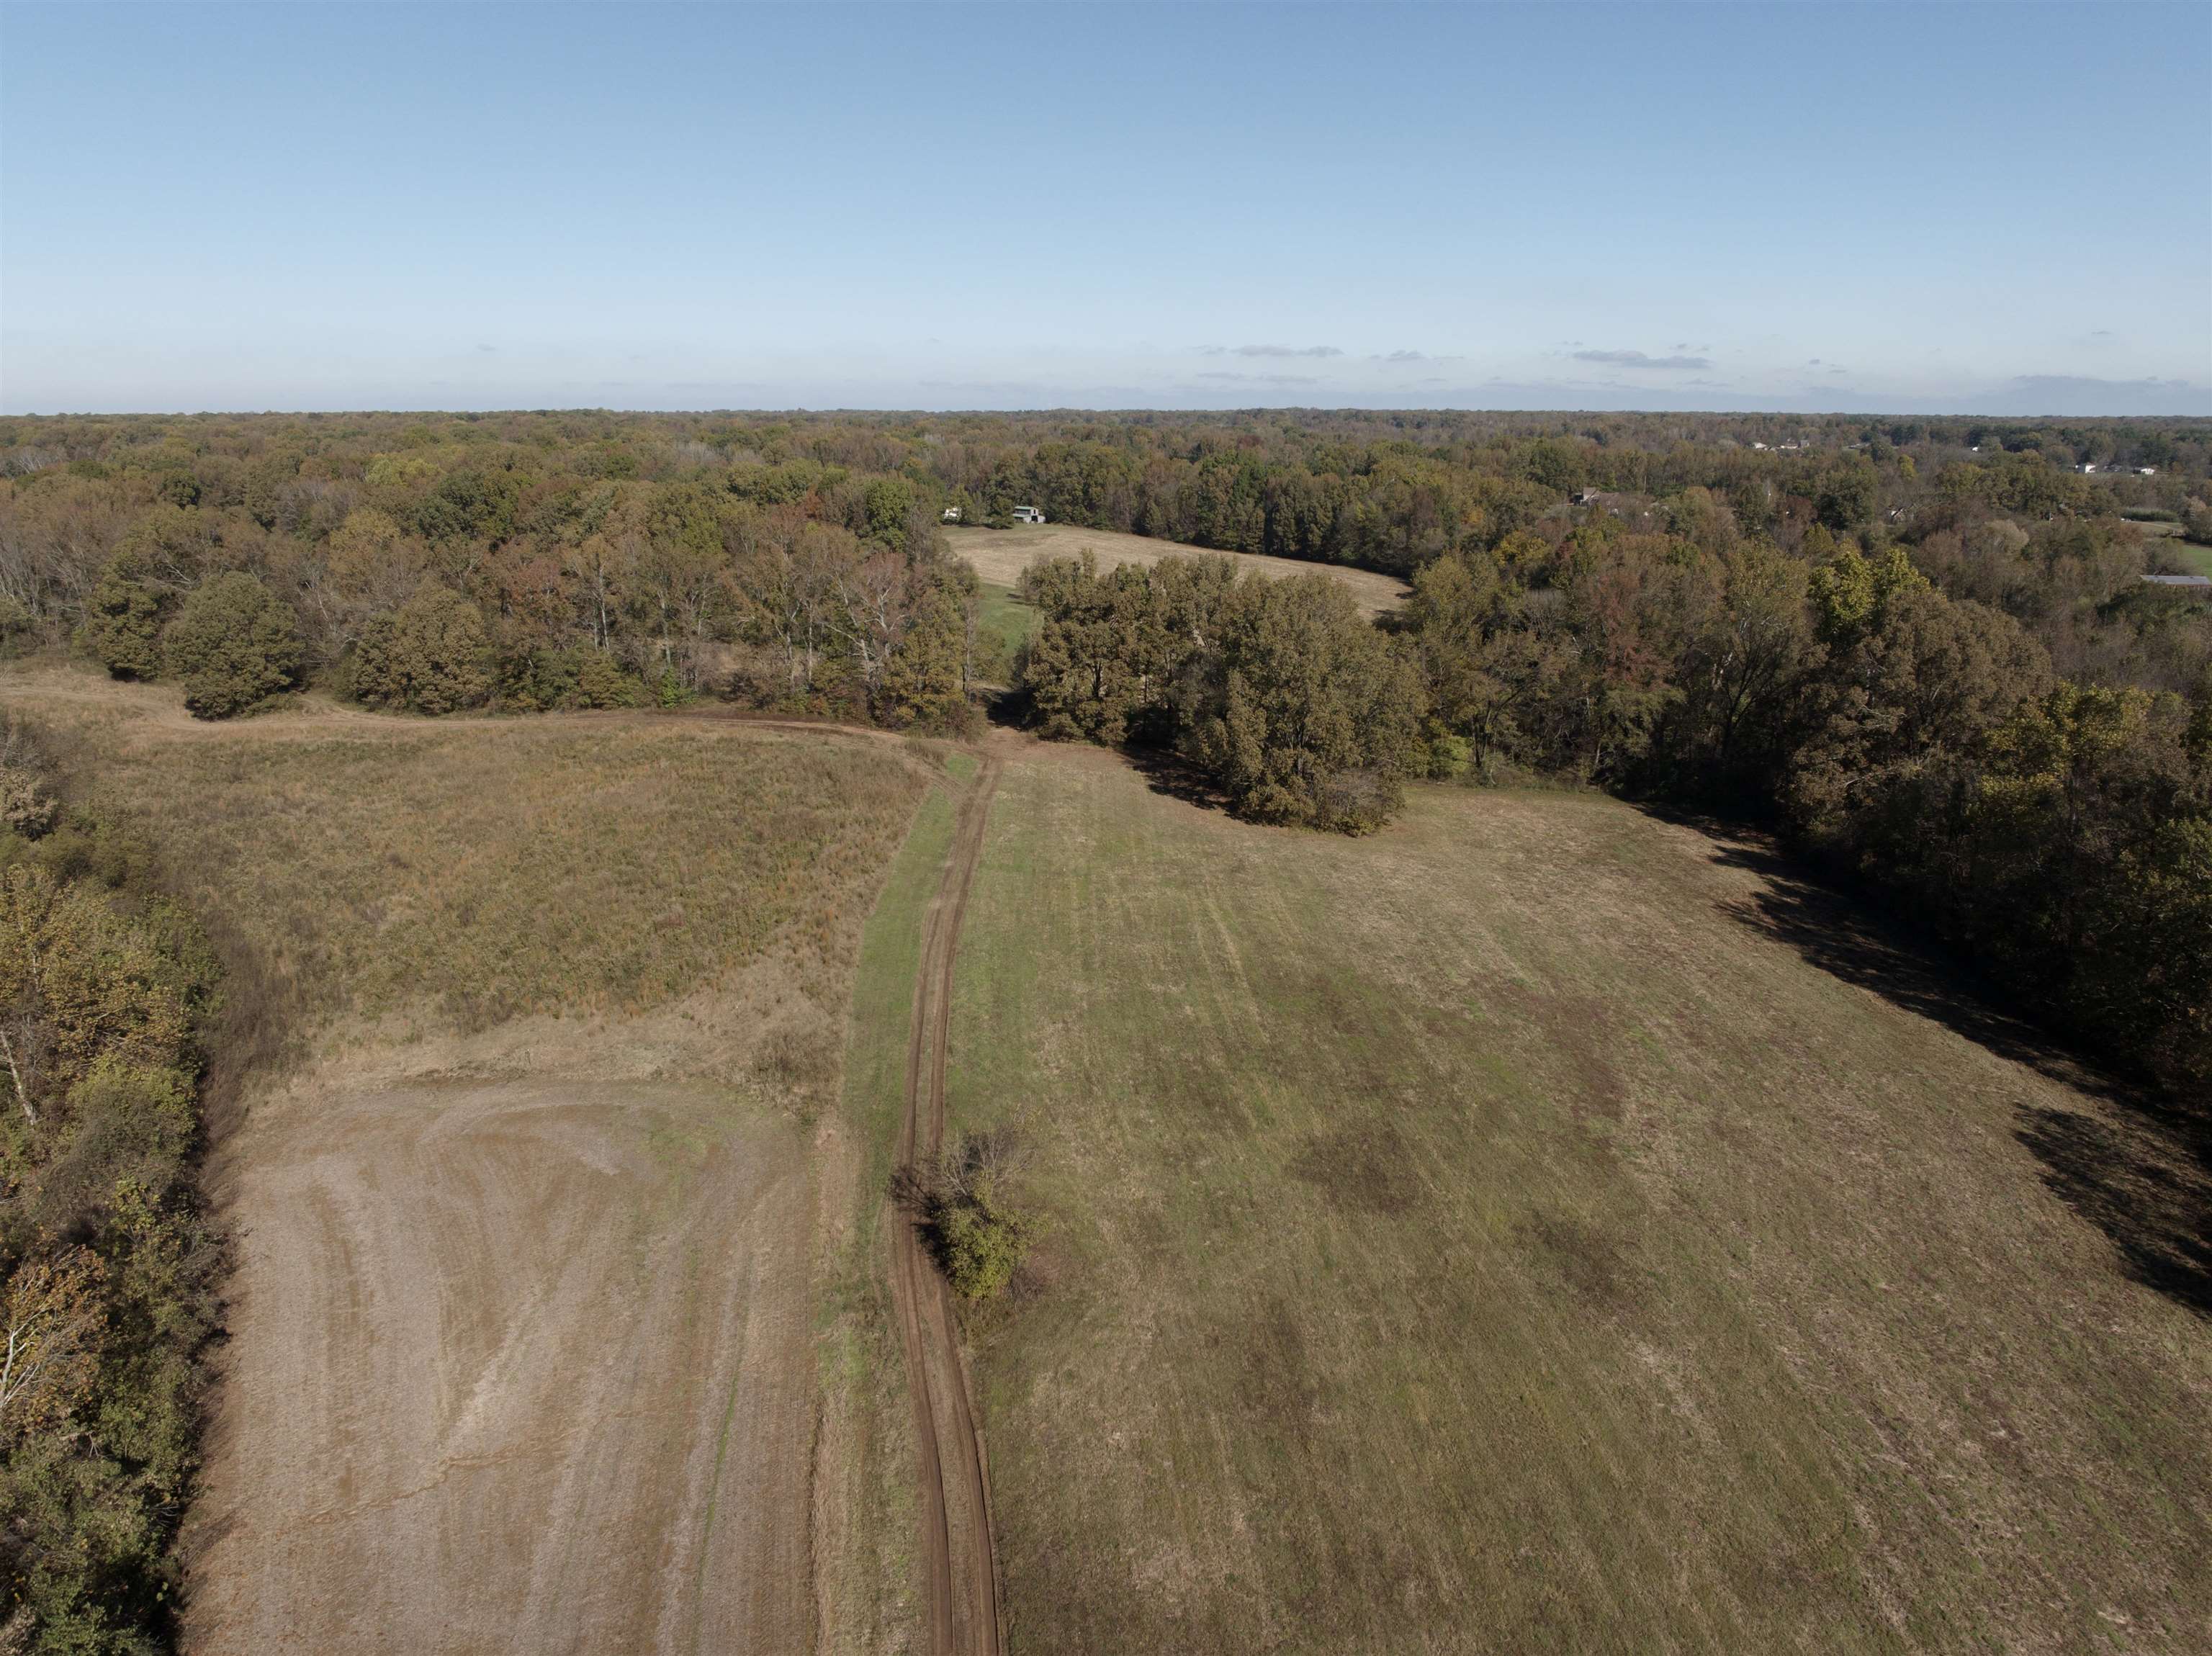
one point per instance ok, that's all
(1542, 1228)
(1001, 555)
(543, 1331)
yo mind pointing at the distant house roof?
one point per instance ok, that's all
(2200, 582)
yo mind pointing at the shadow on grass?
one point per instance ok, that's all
(1164, 770)
(2134, 1162)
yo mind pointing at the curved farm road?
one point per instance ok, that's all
(958, 1557)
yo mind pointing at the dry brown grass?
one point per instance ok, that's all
(1515, 1233)
(465, 872)
(1001, 555)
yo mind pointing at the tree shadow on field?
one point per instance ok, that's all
(2135, 1161)
(1167, 772)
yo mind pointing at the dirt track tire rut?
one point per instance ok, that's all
(960, 1563)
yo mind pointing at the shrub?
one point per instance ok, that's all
(601, 682)
(25, 804)
(981, 1241)
(428, 656)
(978, 1237)
(234, 644)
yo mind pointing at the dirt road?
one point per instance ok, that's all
(1001, 555)
(959, 1562)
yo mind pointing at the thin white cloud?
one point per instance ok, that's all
(1639, 360)
(1269, 350)
(1264, 378)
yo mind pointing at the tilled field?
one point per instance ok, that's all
(521, 1366)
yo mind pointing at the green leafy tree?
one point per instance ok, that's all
(122, 627)
(429, 655)
(602, 682)
(233, 645)
(1849, 593)
(1848, 494)
(924, 684)
(1305, 714)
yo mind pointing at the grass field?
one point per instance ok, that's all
(463, 872)
(868, 1512)
(1003, 628)
(1516, 1232)
(1001, 555)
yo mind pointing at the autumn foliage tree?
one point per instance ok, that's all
(429, 655)
(233, 645)
(1280, 693)
(107, 1267)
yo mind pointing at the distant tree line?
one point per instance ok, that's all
(109, 1270)
(435, 580)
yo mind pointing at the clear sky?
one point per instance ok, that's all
(1931, 208)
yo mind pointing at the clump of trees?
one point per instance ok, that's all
(1280, 694)
(977, 1234)
(108, 1267)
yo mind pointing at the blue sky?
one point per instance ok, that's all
(1983, 208)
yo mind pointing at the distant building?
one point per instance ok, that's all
(2086, 467)
(2146, 471)
(1028, 514)
(951, 514)
(2191, 582)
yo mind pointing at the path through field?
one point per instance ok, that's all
(958, 1561)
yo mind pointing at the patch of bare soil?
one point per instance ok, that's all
(1001, 555)
(516, 1365)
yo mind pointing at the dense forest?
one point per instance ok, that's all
(113, 1270)
(1924, 649)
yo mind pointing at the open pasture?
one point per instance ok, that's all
(1542, 1226)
